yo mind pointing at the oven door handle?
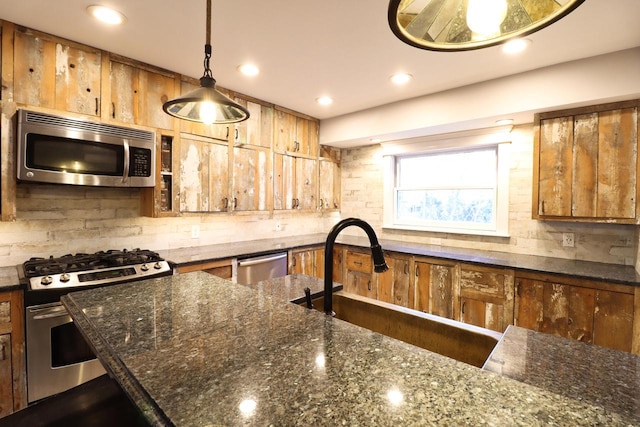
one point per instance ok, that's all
(50, 313)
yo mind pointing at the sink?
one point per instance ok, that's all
(465, 343)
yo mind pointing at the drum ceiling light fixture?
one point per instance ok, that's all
(458, 25)
(205, 104)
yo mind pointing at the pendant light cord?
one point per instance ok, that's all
(207, 46)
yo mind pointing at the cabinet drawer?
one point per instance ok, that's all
(5, 312)
(359, 262)
(483, 283)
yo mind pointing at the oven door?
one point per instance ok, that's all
(58, 357)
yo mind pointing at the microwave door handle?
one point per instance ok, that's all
(125, 175)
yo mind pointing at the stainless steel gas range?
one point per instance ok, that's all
(58, 358)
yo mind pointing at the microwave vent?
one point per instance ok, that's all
(101, 128)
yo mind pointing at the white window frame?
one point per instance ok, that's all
(498, 137)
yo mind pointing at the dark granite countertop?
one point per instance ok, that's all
(596, 375)
(193, 349)
(9, 279)
(624, 274)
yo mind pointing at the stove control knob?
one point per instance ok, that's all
(157, 265)
(65, 277)
(46, 280)
(144, 267)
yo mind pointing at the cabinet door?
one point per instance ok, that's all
(283, 181)
(435, 287)
(257, 131)
(358, 274)
(306, 182)
(285, 132)
(306, 141)
(586, 163)
(137, 95)
(557, 309)
(395, 285)
(250, 179)
(52, 74)
(486, 296)
(204, 176)
(329, 185)
(302, 262)
(6, 378)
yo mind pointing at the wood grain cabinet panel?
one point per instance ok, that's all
(591, 312)
(395, 285)
(435, 284)
(329, 185)
(486, 296)
(250, 179)
(56, 74)
(295, 135)
(257, 131)
(138, 93)
(358, 276)
(204, 175)
(13, 392)
(295, 182)
(586, 164)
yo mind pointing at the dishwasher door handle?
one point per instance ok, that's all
(261, 260)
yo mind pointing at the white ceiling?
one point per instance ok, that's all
(309, 48)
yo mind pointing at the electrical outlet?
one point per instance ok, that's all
(195, 231)
(278, 227)
(568, 240)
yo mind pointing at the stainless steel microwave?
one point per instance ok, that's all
(64, 150)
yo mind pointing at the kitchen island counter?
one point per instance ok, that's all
(193, 349)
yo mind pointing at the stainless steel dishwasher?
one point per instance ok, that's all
(256, 269)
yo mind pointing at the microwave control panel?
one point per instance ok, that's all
(140, 162)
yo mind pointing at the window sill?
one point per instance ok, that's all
(472, 232)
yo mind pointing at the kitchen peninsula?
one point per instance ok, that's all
(193, 349)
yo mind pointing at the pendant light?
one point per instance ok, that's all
(205, 104)
(457, 25)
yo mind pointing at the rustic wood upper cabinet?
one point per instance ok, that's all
(56, 74)
(436, 286)
(257, 131)
(586, 164)
(329, 184)
(588, 311)
(295, 134)
(250, 179)
(138, 93)
(204, 175)
(295, 183)
(486, 296)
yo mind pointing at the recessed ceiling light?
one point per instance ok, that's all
(401, 78)
(515, 46)
(249, 69)
(106, 15)
(324, 100)
(504, 122)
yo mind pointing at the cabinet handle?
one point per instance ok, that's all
(236, 134)
(369, 285)
(542, 207)
(225, 203)
(235, 202)
(417, 270)
(463, 304)
(358, 263)
(113, 110)
(97, 105)
(518, 288)
(227, 137)
(406, 268)
(3, 353)
(293, 261)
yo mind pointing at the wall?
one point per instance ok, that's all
(362, 181)
(57, 220)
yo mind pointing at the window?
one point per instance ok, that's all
(456, 190)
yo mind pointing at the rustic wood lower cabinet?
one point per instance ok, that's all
(13, 391)
(605, 314)
(600, 313)
(221, 268)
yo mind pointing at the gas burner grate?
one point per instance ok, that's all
(36, 267)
